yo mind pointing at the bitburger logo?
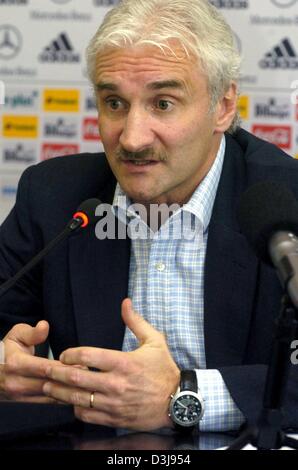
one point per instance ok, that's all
(60, 50)
(20, 154)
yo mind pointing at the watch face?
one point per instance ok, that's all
(186, 409)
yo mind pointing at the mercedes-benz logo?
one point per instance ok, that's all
(10, 41)
(283, 3)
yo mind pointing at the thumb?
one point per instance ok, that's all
(28, 335)
(137, 324)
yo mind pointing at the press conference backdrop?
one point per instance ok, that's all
(46, 104)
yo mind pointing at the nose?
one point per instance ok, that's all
(136, 134)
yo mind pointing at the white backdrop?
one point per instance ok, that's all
(49, 110)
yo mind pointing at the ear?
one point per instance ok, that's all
(226, 109)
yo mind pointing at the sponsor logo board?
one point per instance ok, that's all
(284, 3)
(230, 4)
(277, 135)
(243, 107)
(10, 41)
(21, 99)
(19, 152)
(65, 100)
(277, 108)
(281, 56)
(25, 127)
(60, 2)
(2, 92)
(89, 101)
(105, 3)
(60, 127)
(58, 150)
(60, 50)
(15, 3)
(8, 187)
(90, 129)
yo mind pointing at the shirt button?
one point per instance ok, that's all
(160, 267)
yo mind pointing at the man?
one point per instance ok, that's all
(165, 75)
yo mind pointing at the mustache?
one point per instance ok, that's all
(147, 154)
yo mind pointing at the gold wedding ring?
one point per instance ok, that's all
(91, 404)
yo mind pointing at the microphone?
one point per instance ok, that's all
(268, 217)
(83, 217)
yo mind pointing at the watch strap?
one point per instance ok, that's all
(188, 381)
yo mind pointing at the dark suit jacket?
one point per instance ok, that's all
(80, 285)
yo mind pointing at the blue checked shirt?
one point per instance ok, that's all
(166, 285)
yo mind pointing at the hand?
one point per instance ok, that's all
(131, 389)
(22, 376)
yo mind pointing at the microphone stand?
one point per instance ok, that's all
(267, 432)
(72, 226)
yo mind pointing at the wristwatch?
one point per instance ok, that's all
(187, 405)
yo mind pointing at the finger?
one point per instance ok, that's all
(97, 358)
(137, 324)
(72, 396)
(81, 398)
(80, 378)
(16, 386)
(28, 366)
(38, 399)
(28, 335)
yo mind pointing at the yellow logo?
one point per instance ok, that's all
(20, 126)
(61, 100)
(243, 107)
(296, 156)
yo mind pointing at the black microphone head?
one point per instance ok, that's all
(87, 209)
(264, 209)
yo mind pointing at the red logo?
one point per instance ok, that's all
(58, 150)
(277, 135)
(90, 129)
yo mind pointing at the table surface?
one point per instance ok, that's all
(28, 426)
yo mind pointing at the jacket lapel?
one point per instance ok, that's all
(99, 283)
(99, 280)
(230, 269)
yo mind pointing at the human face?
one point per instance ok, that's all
(159, 136)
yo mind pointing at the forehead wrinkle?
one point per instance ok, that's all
(139, 60)
(114, 68)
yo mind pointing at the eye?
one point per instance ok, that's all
(164, 105)
(114, 103)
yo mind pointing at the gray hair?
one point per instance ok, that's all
(199, 28)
